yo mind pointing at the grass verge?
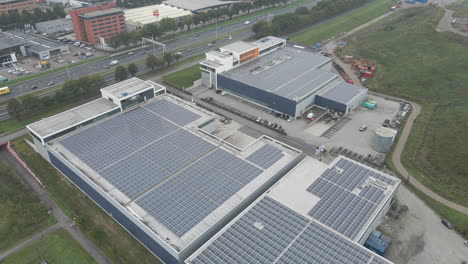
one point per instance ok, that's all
(344, 23)
(57, 247)
(425, 66)
(460, 8)
(184, 78)
(21, 212)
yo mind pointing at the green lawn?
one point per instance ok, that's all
(55, 248)
(420, 64)
(342, 24)
(21, 212)
(183, 78)
(98, 226)
(460, 8)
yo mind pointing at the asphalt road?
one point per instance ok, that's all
(175, 44)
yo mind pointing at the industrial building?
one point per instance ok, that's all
(199, 6)
(317, 213)
(141, 16)
(101, 21)
(156, 167)
(25, 44)
(284, 78)
(54, 26)
(19, 5)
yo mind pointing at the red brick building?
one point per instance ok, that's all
(20, 5)
(101, 20)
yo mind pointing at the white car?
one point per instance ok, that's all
(246, 22)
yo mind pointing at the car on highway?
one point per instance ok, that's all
(34, 87)
(130, 53)
(246, 22)
(50, 83)
(447, 223)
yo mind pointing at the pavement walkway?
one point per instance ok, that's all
(445, 23)
(63, 221)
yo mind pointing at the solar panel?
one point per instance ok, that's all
(172, 112)
(185, 199)
(270, 232)
(265, 156)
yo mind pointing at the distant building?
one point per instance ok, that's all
(20, 5)
(54, 26)
(152, 14)
(26, 44)
(97, 21)
(199, 6)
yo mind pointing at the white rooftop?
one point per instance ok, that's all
(238, 47)
(195, 5)
(128, 87)
(144, 15)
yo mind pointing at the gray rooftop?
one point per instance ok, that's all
(195, 5)
(267, 42)
(239, 47)
(55, 22)
(127, 87)
(101, 13)
(315, 214)
(343, 92)
(9, 39)
(72, 117)
(287, 72)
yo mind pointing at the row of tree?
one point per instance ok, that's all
(168, 26)
(73, 90)
(14, 19)
(287, 23)
(122, 73)
(136, 3)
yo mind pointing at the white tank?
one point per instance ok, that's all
(383, 139)
(310, 115)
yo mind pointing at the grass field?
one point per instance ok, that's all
(99, 227)
(184, 78)
(342, 24)
(417, 63)
(57, 247)
(460, 8)
(21, 212)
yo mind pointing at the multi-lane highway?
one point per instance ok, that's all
(171, 45)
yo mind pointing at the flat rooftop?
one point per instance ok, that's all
(169, 174)
(72, 117)
(239, 47)
(315, 214)
(343, 92)
(198, 4)
(128, 87)
(144, 15)
(99, 13)
(267, 42)
(13, 38)
(287, 72)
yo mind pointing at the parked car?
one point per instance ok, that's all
(76, 44)
(82, 45)
(363, 128)
(447, 223)
(219, 91)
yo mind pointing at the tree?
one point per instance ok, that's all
(14, 108)
(121, 73)
(167, 25)
(188, 21)
(169, 58)
(132, 69)
(151, 61)
(31, 104)
(177, 56)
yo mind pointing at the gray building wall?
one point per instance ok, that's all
(54, 26)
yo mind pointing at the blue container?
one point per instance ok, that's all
(377, 233)
(317, 45)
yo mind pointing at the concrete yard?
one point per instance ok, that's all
(418, 235)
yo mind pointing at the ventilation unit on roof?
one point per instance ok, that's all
(380, 184)
(338, 169)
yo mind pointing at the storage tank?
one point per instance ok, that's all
(383, 139)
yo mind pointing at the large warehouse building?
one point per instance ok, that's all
(141, 16)
(199, 6)
(157, 169)
(25, 44)
(285, 79)
(317, 213)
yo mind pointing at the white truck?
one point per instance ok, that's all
(114, 62)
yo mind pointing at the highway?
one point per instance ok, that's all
(175, 44)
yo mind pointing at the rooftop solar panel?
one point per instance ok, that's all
(265, 156)
(270, 232)
(185, 199)
(172, 112)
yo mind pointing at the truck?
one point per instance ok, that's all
(114, 62)
(4, 90)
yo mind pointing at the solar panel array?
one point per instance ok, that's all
(338, 208)
(265, 156)
(272, 233)
(173, 112)
(185, 199)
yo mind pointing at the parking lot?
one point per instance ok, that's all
(28, 65)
